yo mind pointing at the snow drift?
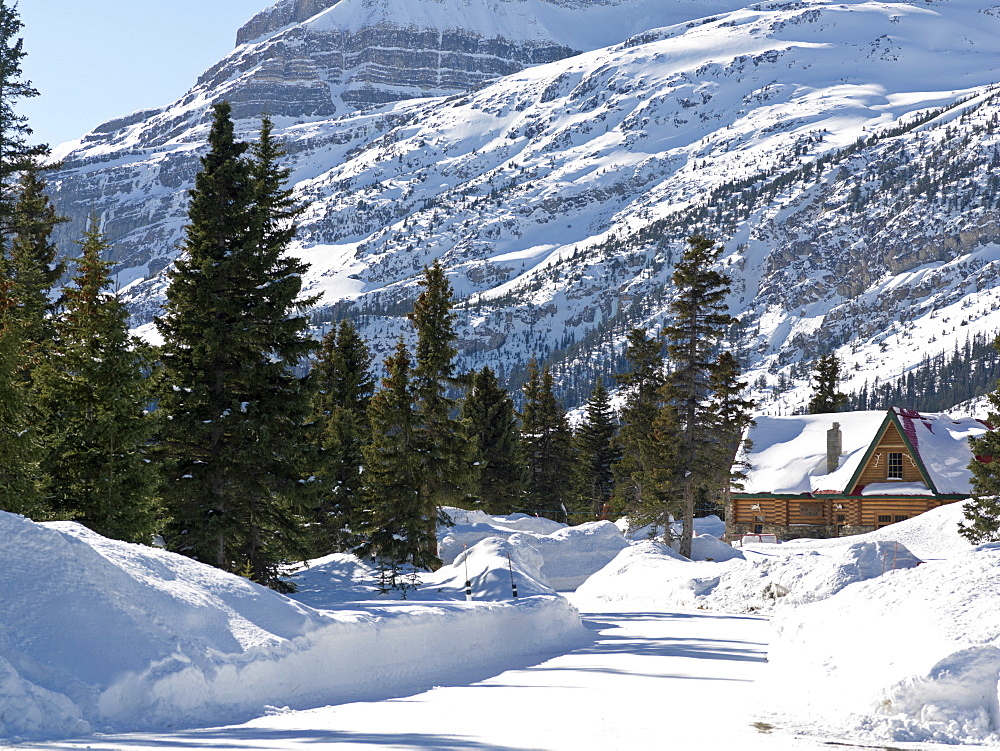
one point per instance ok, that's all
(472, 526)
(100, 635)
(652, 574)
(492, 566)
(567, 555)
(913, 656)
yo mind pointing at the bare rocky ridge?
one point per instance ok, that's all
(279, 16)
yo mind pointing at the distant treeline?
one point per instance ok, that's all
(939, 382)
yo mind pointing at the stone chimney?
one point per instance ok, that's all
(834, 447)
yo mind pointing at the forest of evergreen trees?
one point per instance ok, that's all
(216, 445)
(939, 382)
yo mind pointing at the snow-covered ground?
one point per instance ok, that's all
(651, 680)
(99, 635)
(791, 646)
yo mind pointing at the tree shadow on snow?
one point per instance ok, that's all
(615, 640)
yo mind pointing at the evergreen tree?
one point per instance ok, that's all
(597, 451)
(661, 504)
(16, 154)
(234, 434)
(733, 415)
(399, 523)
(18, 416)
(548, 447)
(489, 412)
(33, 264)
(19, 450)
(96, 393)
(342, 389)
(699, 324)
(982, 512)
(446, 453)
(826, 379)
(643, 383)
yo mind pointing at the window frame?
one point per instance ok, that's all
(891, 465)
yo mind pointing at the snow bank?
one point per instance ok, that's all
(342, 578)
(334, 580)
(912, 656)
(568, 554)
(652, 575)
(703, 525)
(99, 635)
(487, 567)
(710, 548)
(930, 535)
(472, 526)
(572, 554)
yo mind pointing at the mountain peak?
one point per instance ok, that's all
(280, 15)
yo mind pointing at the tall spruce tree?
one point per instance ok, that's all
(662, 504)
(447, 455)
(398, 526)
(234, 433)
(826, 380)
(548, 448)
(733, 414)
(982, 512)
(19, 446)
(635, 485)
(16, 153)
(698, 326)
(19, 449)
(34, 266)
(492, 419)
(96, 394)
(597, 451)
(342, 389)
(981, 521)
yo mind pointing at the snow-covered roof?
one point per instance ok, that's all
(942, 443)
(788, 455)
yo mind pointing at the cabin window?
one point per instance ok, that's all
(899, 518)
(810, 509)
(885, 519)
(895, 469)
(841, 518)
(759, 519)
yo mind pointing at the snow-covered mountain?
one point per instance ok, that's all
(555, 154)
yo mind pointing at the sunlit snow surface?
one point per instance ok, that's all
(106, 636)
(867, 647)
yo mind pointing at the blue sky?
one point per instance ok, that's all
(93, 60)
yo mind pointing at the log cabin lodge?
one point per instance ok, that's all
(846, 473)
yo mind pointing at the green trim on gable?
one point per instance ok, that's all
(868, 453)
(891, 418)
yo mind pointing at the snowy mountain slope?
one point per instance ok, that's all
(842, 152)
(317, 58)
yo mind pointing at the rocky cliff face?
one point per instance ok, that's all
(844, 154)
(277, 17)
(318, 61)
